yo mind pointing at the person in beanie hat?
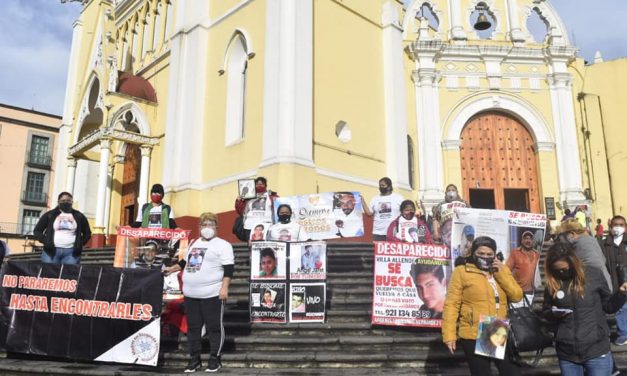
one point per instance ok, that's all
(155, 214)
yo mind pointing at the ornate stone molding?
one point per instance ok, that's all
(110, 134)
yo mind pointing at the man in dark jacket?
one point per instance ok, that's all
(63, 231)
(615, 248)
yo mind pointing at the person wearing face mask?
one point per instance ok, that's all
(63, 231)
(442, 214)
(482, 285)
(286, 229)
(586, 247)
(615, 250)
(384, 208)
(205, 290)
(155, 214)
(577, 298)
(408, 227)
(257, 210)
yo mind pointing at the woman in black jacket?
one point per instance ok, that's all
(63, 231)
(577, 298)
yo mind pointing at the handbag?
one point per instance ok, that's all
(528, 331)
(238, 229)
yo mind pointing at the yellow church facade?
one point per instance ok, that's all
(325, 95)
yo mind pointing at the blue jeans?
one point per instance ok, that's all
(600, 366)
(61, 256)
(621, 321)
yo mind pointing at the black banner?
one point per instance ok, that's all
(82, 312)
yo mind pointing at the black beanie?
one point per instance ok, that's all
(157, 188)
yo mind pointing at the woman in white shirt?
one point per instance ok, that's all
(286, 230)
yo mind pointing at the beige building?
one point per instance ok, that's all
(27, 149)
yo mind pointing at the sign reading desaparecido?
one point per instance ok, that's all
(267, 302)
(409, 284)
(268, 260)
(82, 312)
(308, 260)
(307, 302)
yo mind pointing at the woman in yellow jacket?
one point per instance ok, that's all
(481, 286)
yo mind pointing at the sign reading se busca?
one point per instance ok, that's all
(82, 312)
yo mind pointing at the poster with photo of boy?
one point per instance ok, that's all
(307, 302)
(308, 260)
(267, 302)
(268, 260)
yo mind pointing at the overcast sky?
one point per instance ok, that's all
(36, 35)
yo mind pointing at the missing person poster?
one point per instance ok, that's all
(492, 337)
(328, 215)
(82, 312)
(267, 302)
(258, 232)
(307, 302)
(268, 260)
(308, 260)
(409, 284)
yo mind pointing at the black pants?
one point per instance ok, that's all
(206, 312)
(379, 238)
(480, 365)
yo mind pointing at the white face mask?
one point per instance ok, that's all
(451, 195)
(618, 230)
(207, 232)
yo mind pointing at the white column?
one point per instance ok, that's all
(566, 144)
(144, 175)
(395, 98)
(71, 175)
(187, 98)
(288, 83)
(103, 178)
(515, 31)
(61, 145)
(108, 192)
(457, 28)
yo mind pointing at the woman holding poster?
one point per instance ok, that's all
(258, 209)
(482, 286)
(578, 298)
(408, 227)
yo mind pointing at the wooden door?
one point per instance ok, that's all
(130, 184)
(497, 152)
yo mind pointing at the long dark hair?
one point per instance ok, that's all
(562, 251)
(491, 328)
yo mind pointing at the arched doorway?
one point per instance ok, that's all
(130, 184)
(498, 161)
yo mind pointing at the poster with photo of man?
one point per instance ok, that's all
(327, 215)
(267, 302)
(308, 260)
(246, 188)
(469, 224)
(410, 282)
(268, 260)
(307, 302)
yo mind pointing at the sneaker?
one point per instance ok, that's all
(193, 365)
(214, 364)
(620, 341)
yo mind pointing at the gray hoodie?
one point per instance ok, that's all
(588, 250)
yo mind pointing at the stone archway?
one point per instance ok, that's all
(499, 164)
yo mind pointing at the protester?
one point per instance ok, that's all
(580, 216)
(443, 214)
(586, 247)
(430, 288)
(599, 230)
(205, 292)
(481, 286)
(286, 229)
(384, 208)
(577, 298)
(155, 214)
(567, 215)
(258, 209)
(63, 231)
(523, 262)
(408, 227)
(615, 252)
(4, 250)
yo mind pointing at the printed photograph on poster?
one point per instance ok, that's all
(267, 302)
(492, 337)
(521, 223)
(307, 302)
(446, 213)
(327, 215)
(268, 260)
(308, 260)
(410, 283)
(469, 224)
(258, 232)
(246, 188)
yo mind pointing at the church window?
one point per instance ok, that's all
(236, 67)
